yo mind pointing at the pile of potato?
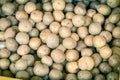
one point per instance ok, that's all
(60, 39)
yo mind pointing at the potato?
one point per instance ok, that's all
(52, 41)
(43, 50)
(57, 66)
(72, 67)
(109, 27)
(55, 74)
(5, 23)
(2, 38)
(95, 71)
(8, 8)
(22, 38)
(41, 69)
(22, 75)
(88, 40)
(21, 1)
(80, 10)
(75, 36)
(95, 28)
(47, 60)
(64, 32)
(98, 18)
(58, 56)
(14, 57)
(4, 53)
(114, 18)
(47, 6)
(116, 42)
(69, 7)
(21, 64)
(13, 68)
(34, 43)
(36, 16)
(84, 75)
(107, 35)
(86, 52)
(113, 3)
(58, 15)
(29, 59)
(67, 23)
(91, 12)
(69, 43)
(116, 32)
(78, 20)
(54, 27)
(99, 77)
(23, 49)
(40, 26)
(58, 4)
(5, 65)
(113, 75)
(61, 47)
(36, 78)
(13, 20)
(71, 77)
(11, 44)
(105, 67)
(82, 32)
(80, 45)
(34, 32)
(7, 73)
(88, 21)
(99, 41)
(69, 15)
(86, 63)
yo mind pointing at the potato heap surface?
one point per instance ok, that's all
(60, 39)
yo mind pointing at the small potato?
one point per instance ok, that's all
(72, 55)
(86, 52)
(71, 77)
(22, 75)
(99, 41)
(2, 45)
(14, 57)
(36, 16)
(116, 42)
(11, 44)
(100, 77)
(72, 67)
(69, 43)
(4, 53)
(29, 59)
(43, 50)
(69, 7)
(61, 47)
(57, 66)
(41, 69)
(78, 20)
(98, 18)
(80, 45)
(48, 18)
(97, 59)
(22, 38)
(86, 63)
(95, 28)
(20, 15)
(55, 74)
(54, 27)
(30, 71)
(116, 32)
(13, 20)
(58, 15)
(91, 12)
(88, 20)
(67, 23)
(89, 40)
(23, 49)
(4, 64)
(34, 32)
(58, 4)
(2, 38)
(109, 27)
(9, 33)
(105, 52)
(40, 26)
(30, 7)
(47, 60)
(69, 15)
(52, 41)
(34, 43)
(21, 64)
(75, 36)
(107, 35)
(58, 56)
(47, 6)
(114, 18)
(82, 32)
(64, 32)
(80, 10)
(12, 68)
(5, 23)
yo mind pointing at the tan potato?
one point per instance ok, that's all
(114, 18)
(47, 60)
(12, 68)
(23, 49)
(5, 65)
(21, 64)
(98, 18)
(80, 10)
(107, 35)
(91, 12)
(116, 32)
(82, 32)
(57, 66)
(75, 36)
(89, 40)
(64, 32)
(30, 71)
(86, 52)
(22, 74)
(58, 56)
(58, 4)
(55, 74)
(52, 41)
(71, 77)
(20, 15)
(69, 15)
(41, 69)
(36, 16)
(34, 43)
(80, 45)
(67, 23)
(21, 1)
(40, 26)
(88, 20)
(78, 20)
(105, 52)
(69, 7)
(34, 32)
(43, 50)
(58, 15)
(13, 20)
(72, 55)
(2, 45)
(61, 47)
(14, 57)
(99, 41)
(4, 53)
(47, 6)
(30, 7)
(86, 63)
(2, 38)
(72, 67)
(22, 38)
(69, 43)
(109, 27)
